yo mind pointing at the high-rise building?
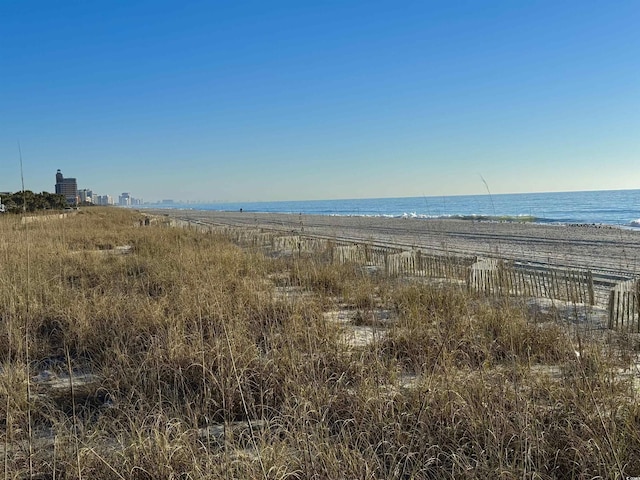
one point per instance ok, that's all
(67, 187)
(104, 200)
(85, 196)
(124, 200)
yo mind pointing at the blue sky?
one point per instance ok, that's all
(290, 100)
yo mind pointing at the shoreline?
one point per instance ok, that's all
(525, 218)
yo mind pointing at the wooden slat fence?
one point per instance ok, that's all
(624, 306)
(486, 276)
(361, 253)
(349, 254)
(418, 264)
(251, 237)
(402, 263)
(497, 277)
(286, 243)
(443, 266)
(313, 245)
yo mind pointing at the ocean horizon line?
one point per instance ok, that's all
(452, 195)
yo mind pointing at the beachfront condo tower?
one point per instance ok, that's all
(67, 187)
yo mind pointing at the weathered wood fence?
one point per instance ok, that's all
(45, 218)
(419, 264)
(489, 276)
(498, 277)
(485, 277)
(349, 254)
(624, 306)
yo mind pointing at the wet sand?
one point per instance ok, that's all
(598, 248)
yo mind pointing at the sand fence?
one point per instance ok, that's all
(417, 263)
(485, 276)
(44, 218)
(624, 306)
(492, 276)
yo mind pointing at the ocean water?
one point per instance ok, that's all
(612, 207)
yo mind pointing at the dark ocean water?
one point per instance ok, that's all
(612, 207)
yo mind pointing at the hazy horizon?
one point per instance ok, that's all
(176, 200)
(286, 101)
(294, 200)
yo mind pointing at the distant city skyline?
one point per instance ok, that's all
(68, 187)
(284, 100)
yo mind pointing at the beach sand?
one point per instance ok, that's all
(598, 248)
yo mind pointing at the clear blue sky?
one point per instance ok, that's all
(291, 100)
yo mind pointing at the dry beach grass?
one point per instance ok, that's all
(186, 356)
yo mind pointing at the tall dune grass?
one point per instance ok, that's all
(190, 357)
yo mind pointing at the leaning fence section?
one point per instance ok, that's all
(571, 285)
(416, 263)
(499, 277)
(624, 306)
(361, 253)
(484, 277)
(349, 254)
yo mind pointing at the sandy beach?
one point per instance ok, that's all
(598, 248)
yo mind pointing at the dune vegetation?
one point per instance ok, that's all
(146, 352)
